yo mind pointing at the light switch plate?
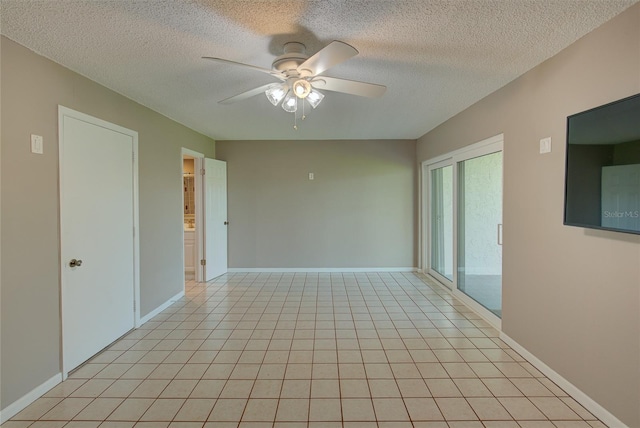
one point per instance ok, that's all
(37, 144)
(311, 176)
(545, 145)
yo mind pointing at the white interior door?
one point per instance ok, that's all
(215, 214)
(97, 219)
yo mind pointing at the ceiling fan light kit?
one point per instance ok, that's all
(314, 98)
(276, 93)
(290, 103)
(301, 88)
(298, 75)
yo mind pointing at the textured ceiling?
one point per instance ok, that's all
(436, 57)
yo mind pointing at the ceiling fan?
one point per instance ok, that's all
(301, 77)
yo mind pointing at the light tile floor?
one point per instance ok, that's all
(309, 350)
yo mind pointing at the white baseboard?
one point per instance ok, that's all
(481, 271)
(161, 308)
(17, 406)
(589, 403)
(322, 270)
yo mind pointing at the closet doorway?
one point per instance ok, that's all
(98, 234)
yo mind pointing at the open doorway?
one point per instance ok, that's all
(204, 207)
(192, 214)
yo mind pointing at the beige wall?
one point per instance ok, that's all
(359, 211)
(571, 296)
(32, 88)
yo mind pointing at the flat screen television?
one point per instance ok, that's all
(602, 175)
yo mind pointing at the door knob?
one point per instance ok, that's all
(75, 263)
(226, 223)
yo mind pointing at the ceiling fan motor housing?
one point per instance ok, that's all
(294, 55)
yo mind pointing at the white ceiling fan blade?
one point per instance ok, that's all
(352, 87)
(248, 94)
(332, 54)
(274, 73)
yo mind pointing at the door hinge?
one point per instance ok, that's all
(203, 262)
(202, 171)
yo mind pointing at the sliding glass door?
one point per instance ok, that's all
(463, 224)
(480, 230)
(442, 221)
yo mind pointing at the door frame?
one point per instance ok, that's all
(481, 148)
(67, 112)
(198, 159)
(427, 221)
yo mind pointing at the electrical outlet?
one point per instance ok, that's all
(311, 176)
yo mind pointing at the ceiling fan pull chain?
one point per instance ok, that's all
(303, 116)
(295, 116)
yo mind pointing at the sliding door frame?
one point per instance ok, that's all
(428, 220)
(490, 145)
